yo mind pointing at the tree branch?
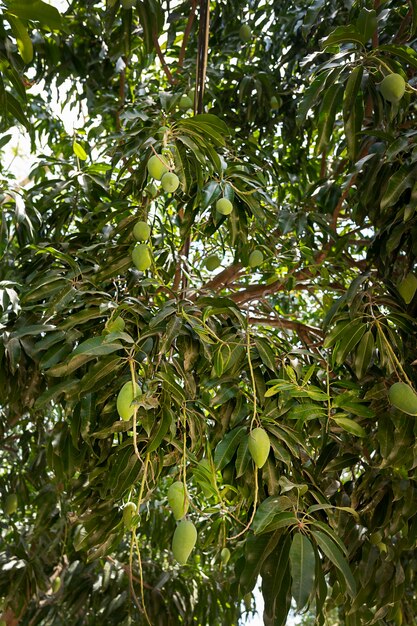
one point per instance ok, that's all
(281, 322)
(187, 32)
(161, 57)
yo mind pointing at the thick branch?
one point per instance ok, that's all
(280, 322)
(162, 59)
(187, 32)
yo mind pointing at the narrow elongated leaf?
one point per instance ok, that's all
(302, 564)
(334, 554)
(349, 340)
(364, 353)
(350, 426)
(276, 581)
(227, 447)
(331, 103)
(353, 86)
(23, 40)
(400, 181)
(344, 34)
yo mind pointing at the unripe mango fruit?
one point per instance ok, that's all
(255, 258)
(224, 206)
(127, 394)
(259, 445)
(10, 506)
(225, 555)
(245, 32)
(141, 231)
(403, 397)
(212, 262)
(183, 541)
(56, 585)
(408, 287)
(141, 257)
(393, 87)
(157, 166)
(170, 182)
(178, 499)
(129, 510)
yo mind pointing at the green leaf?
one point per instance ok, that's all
(302, 565)
(352, 89)
(276, 579)
(23, 40)
(364, 353)
(366, 23)
(36, 11)
(97, 346)
(272, 514)
(160, 430)
(353, 334)
(350, 426)
(79, 151)
(331, 102)
(405, 53)
(403, 179)
(227, 447)
(334, 554)
(344, 34)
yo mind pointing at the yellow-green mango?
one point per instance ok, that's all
(259, 446)
(178, 499)
(127, 393)
(183, 541)
(403, 397)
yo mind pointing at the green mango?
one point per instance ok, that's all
(125, 408)
(255, 258)
(170, 182)
(10, 506)
(178, 499)
(129, 510)
(224, 206)
(141, 231)
(183, 541)
(393, 87)
(403, 397)
(157, 166)
(141, 257)
(259, 446)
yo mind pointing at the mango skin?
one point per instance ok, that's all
(129, 510)
(255, 258)
(225, 555)
(183, 541)
(245, 33)
(125, 408)
(393, 87)
(141, 257)
(212, 262)
(408, 287)
(170, 182)
(141, 231)
(224, 206)
(259, 446)
(178, 499)
(403, 397)
(157, 166)
(10, 506)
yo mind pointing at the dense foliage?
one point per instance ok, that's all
(304, 339)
